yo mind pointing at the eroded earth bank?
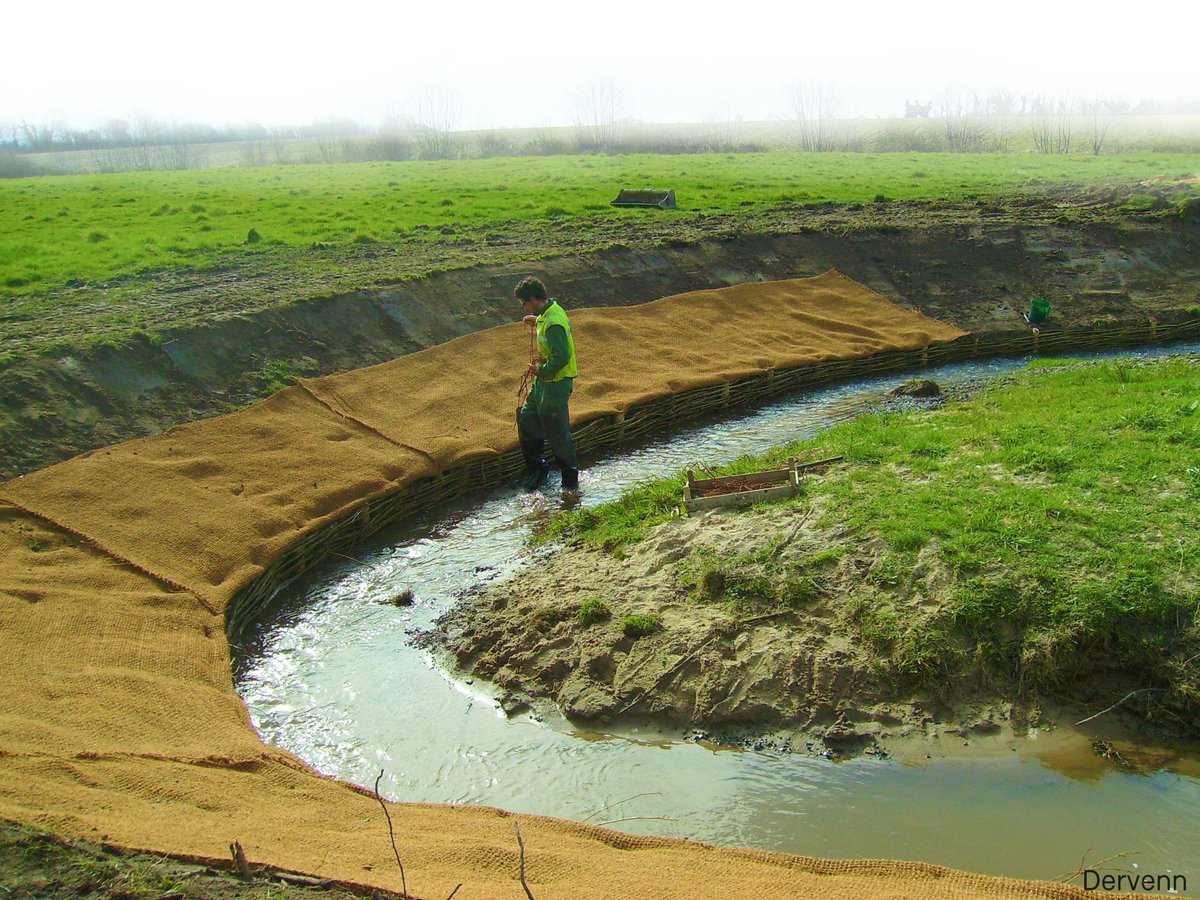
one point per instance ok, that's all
(208, 342)
(814, 625)
(800, 680)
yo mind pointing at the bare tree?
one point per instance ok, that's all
(252, 153)
(135, 147)
(1099, 120)
(1050, 129)
(354, 149)
(962, 128)
(494, 142)
(815, 106)
(434, 121)
(394, 141)
(1002, 103)
(597, 109)
(722, 132)
(144, 136)
(327, 148)
(40, 135)
(179, 152)
(280, 149)
(545, 143)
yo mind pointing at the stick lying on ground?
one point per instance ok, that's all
(392, 835)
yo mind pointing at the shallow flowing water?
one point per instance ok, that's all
(333, 675)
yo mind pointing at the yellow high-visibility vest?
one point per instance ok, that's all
(554, 314)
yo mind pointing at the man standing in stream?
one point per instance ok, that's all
(545, 417)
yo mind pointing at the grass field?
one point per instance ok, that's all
(57, 232)
(1063, 507)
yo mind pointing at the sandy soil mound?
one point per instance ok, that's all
(704, 663)
(800, 678)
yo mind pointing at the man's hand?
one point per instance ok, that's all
(531, 321)
(533, 369)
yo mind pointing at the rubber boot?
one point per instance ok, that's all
(570, 478)
(532, 452)
(536, 478)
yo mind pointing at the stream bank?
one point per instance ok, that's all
(66, 388)
(794, 681)
(827, 625)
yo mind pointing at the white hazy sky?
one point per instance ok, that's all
(518, 64)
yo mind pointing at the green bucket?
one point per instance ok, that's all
(1039, 311)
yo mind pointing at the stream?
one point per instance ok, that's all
(332, 674)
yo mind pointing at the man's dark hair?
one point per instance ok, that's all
(530, 289)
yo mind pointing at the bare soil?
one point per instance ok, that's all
(211, 341)
(800, 679)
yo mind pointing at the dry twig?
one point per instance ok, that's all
(679, 664)
(521, 844)
(791, 535)
(1083, 867)
(392, 835)
(619, 802)
(779, 613)
(302, 880)
(636, 819)
(527, 379)
(1118, 703)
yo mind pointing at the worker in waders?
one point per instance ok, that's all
(544, 417)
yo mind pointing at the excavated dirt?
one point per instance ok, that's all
(223, 339)
(798, 680)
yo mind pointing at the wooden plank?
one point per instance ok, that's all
(740, 498)
(817, 463)
(777, 476)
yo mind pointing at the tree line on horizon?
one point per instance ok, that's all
(432, 130)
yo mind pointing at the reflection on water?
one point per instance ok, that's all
(333, 676)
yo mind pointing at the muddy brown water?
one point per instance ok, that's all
(333, 675)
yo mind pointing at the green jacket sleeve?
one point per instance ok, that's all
(560, 353)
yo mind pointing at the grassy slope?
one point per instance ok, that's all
(63, 230)
(36, 865)
(1064, 507)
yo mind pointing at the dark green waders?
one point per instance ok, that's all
(546, 419)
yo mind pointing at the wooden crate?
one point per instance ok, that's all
(740, 490)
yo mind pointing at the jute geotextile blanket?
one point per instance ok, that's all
(120, 721)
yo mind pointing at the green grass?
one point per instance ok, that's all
(1063, 505)
(39, 864)
(592, 611)
(639, 625)
(274, 375)
(59, 231)
(757, 582)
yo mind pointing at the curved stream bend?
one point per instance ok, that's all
(334, 677)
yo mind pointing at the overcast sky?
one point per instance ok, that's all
(519, 64)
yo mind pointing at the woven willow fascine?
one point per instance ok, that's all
(660, 415)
